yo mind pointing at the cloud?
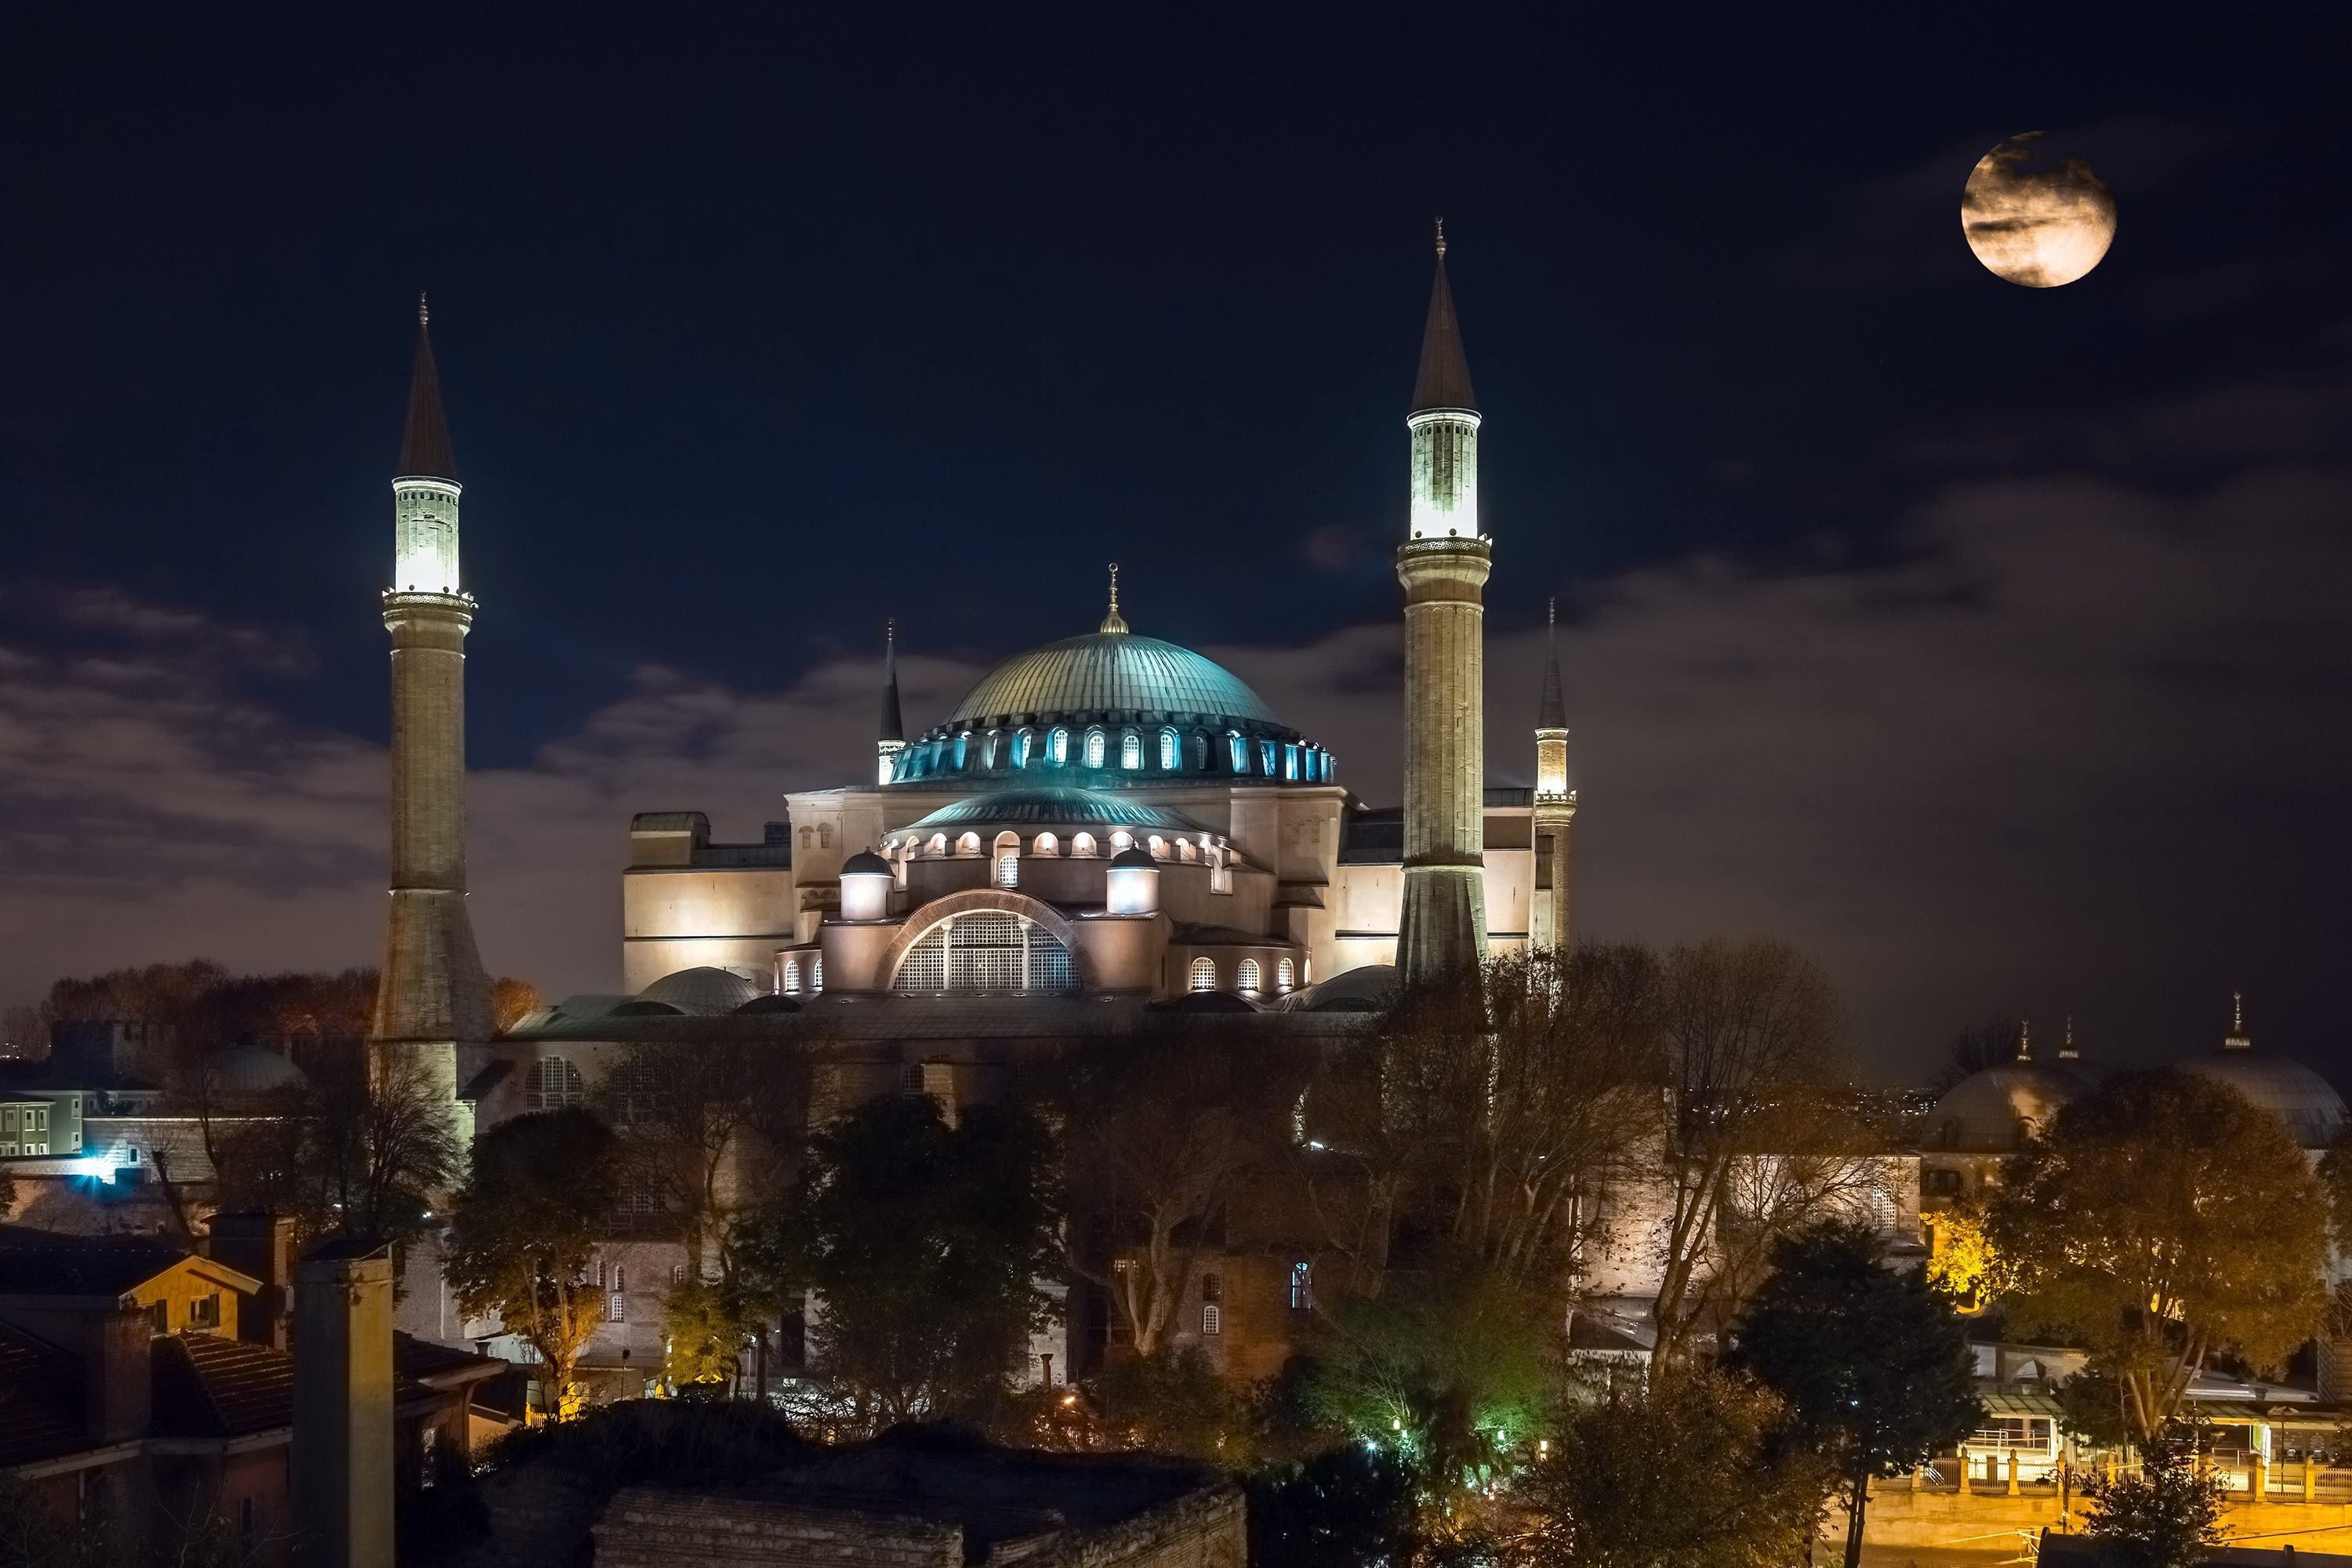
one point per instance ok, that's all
(2040, 759)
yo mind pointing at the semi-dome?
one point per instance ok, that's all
(1052, 808)
(2309, 1107)
(705, 991)
(1992, 1108)
(1109, 673)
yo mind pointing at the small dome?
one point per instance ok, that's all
(644, 1009)
(1104, 673)
(866, 863)
(253, 1069)
(2309, 1107)
(706, 991)
(1367, 988)
(1205, 1002)
(1133, 860)
(1988, 1111)
(769, 1004)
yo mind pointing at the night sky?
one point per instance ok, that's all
(1989, 642)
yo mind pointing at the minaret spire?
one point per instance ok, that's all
(1114, 624)
(2237, 1039)
(891, 736)
(1554, 914)
(433, 999)
(1444, 565)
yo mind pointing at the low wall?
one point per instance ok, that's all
(1994, 1522)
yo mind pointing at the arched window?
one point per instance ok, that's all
(1239, 748)
(1289, 761)
(1120, 838)
(988, 751)
(962, 747)
(790, 977)
(1265, 756)
(1046, 844)
(1159, 848)
(825, 835)
(1083, 846)
(817, 973)
(1200, 752)
(986, 950)
(1130, 750)
(1094, 748)
(1168, 755)
(1285, 975)
(1205, 975)
(968, 844)
(1021, 748)
(1057, 749)
(1245, 978)
(937, 846)
(554, 1084)
(1008, 860)
(1187, 850)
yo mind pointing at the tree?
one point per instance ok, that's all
(2163, 1220)
(523, 1232)
(1450, 1369)
(1340, 1508)
(2167, 1515)
(1874, 1364)
(705, 1124)
(1758, 1144)
(922, 1248)
(1160, 1129)
(1686, 1470)
(1989, 1043)
(706, 1324)
(1175, 1403)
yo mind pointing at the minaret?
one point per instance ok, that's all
(2237, 1039)
(1443, 567)
(433, 996)
(892, 739)
(1554, 917)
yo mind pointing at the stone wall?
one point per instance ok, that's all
(1994, 1523)
(644, 1527)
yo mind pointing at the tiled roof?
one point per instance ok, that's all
(1443, 379)
(426, 1363)
(206, 1386)
(51, 1263)
(40, 1399)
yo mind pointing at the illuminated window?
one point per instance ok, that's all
(1285, 975)
(962, 747)
(968, 843)
(986, 950)
(1245, 978)
(937, 846)
(1200, 754)
(1302, 1286)
(1130, 750)
(1210, 1315)
(1205, 975)
(817, 973)
(1290, 761)
(1008, 869)
(1157, 847)
(1168, 755)
(1120, 838)
(1083, 844)
(1021, 750)
(1057, 748)
(554, 1083)
(792, 977)
(1265, 756)
(1094, 748)
(988, 751)
(1046, 844)
(1239, 748)
(203, 1311)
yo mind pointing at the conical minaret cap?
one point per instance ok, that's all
(424, 451)
(1551, 712)
(893, 728)
(1443, 381)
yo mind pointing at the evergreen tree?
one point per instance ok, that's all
(1874, 1364)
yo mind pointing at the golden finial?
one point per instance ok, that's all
(1114, 622)
(424, 316)
(1440, 239)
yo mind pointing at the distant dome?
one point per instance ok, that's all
(1987, 1112)
(706, 991)
(253, 1069)
(1105, 673)
(769, 1004)
(1367, 988)
(1054, 808)
(2305, 1103)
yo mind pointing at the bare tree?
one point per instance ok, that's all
(709, 1125)
(1751, 1036)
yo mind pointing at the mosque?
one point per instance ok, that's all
(1103, 827)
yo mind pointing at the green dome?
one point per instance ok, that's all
(1109, 672)
(1055, 808)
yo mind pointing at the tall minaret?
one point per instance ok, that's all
(1554, 917)
(1443, 567)
(432, 997)
(892, 739)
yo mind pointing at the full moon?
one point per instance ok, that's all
(2035, 218)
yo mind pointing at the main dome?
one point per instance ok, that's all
(1105, 673)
